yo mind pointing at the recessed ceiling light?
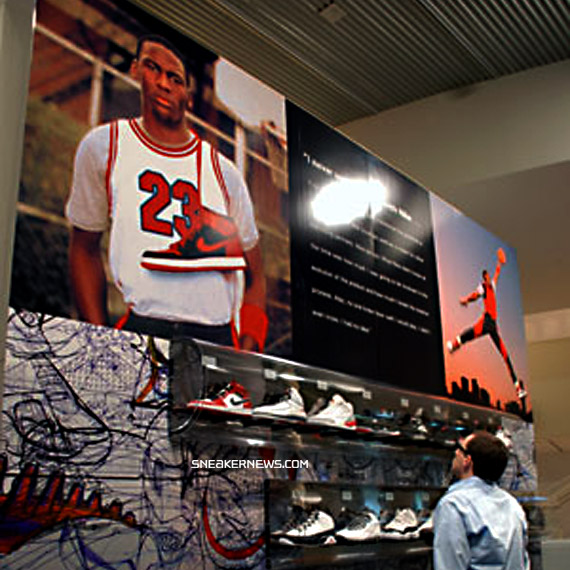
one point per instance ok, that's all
(332, 13)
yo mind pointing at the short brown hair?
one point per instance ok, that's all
(489, 455)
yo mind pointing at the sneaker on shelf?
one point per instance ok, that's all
(344, 517)
(364, 526)
(211, 244)
(506, 437)
(298, 516)
(338, 413)
(417, 425)
(403, 526)
(231, 398)
(290, 406)
(315, 529)
(426, 528)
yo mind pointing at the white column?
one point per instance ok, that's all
(16, 32)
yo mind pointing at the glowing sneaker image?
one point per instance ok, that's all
(290, 405)
(231, 398)
(364, 526)
(404, 525)
(338, 413)
(210, 244)
(521, 392)
(453, 345)
(312, 530)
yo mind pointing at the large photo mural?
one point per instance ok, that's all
(154, 183)
(165, 191)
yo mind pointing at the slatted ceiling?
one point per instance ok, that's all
(382, 53)
(513, 34)
(416, 44)
(397, 36)
(482, 28)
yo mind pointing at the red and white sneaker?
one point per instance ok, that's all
(232, 398)
(338, 413)
(210, 244)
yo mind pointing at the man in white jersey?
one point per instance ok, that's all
(182, 231)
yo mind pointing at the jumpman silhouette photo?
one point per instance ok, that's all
(487, 323)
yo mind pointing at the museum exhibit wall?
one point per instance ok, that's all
(44, 352)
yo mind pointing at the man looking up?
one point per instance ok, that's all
(478, 525)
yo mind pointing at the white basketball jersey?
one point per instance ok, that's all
(148, 187)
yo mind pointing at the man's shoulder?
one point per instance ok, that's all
(464, 488)
(230, 172)
(100, 134)
(218, 156)
(96, 139)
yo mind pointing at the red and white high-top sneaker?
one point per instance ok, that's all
(210, 244)
(231, 398)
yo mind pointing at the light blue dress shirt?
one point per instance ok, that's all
(479, 526)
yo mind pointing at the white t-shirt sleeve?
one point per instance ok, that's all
(87, 207)
(241, 207)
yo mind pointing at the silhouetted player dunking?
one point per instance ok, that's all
(487, 324)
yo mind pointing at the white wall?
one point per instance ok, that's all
(489, 130)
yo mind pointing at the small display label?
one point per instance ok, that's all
(209, 360)
(346, 495)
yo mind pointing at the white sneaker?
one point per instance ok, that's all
(403, 526)
(505, 437)
(313, 529)
(338, 413)
(291, 405)
(365, 526)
